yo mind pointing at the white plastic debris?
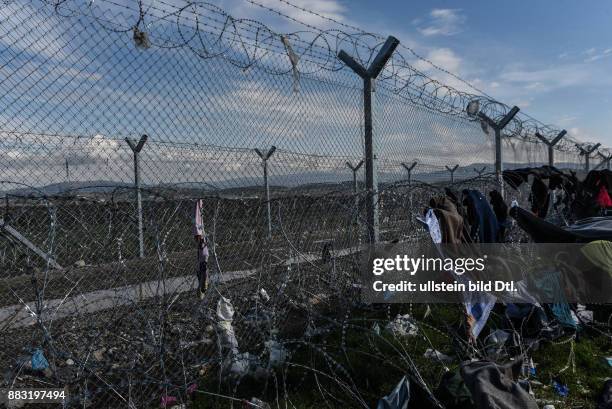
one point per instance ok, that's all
(402, 325)
(585, 316)
(437, 355)
(225, 309)
(528, 368)
(240, 364)
(376, 328)
(549, 407)
(427, 312)
(264, 295)
(225, 316)
(258, 404)
(278, 353)
(497, 337)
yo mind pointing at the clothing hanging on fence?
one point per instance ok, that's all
(202, 248)
(603, 199)
(451, 222)
(432, 225)
(583, 231)
(539, 197)
(500, 208)
(482, 219)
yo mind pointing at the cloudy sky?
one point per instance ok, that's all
(552, 58)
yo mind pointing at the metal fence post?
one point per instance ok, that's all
(551, 144)
(409, 170)
(136, 148)
(355, 169)
(368, 75)
(452, 172)
(587, 153)
(264, 161)
(473, 109)
(605, 159)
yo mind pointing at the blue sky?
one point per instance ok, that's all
(551, 58)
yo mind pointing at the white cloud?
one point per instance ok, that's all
(442, 57)
(594, 55)
(331, 9)
(443, 22)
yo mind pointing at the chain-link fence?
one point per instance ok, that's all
(97, 250)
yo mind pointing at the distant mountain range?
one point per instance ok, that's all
(254, 185)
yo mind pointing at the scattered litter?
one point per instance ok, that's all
(403, 326)
(433, 354)
(560, 389)
(79, 263)
(264, 295)
(584, 316)
(255, 403)
(99, 354)
(492, 385)
(525, 384)
(398, 398)
(427, 312)
(608, 360)
(168, 401)
(38, 360)
(495, 342)
(528, 368)
(239, 364)
(549, 407)
(376, 328)
(69, 362)
(452, 391)
(192, 388)
(225, 316)
(278, 353)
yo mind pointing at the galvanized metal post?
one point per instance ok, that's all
(264, 160)
(551, 144)
(136, 148)
(368, 75)
(452, 172)
(498, 127)
(355, 169)
(587, 153)
(605, 159)
(409, 170)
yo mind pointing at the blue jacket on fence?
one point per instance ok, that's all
(482, 218)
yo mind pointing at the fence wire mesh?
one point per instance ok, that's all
(121, 326)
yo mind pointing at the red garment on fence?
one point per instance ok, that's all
(603, 198)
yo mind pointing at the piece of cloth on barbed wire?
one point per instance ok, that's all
(451, 222)
(482, 219)
(202, 246)
(500, 208)
(398, 398)
(493, 386)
